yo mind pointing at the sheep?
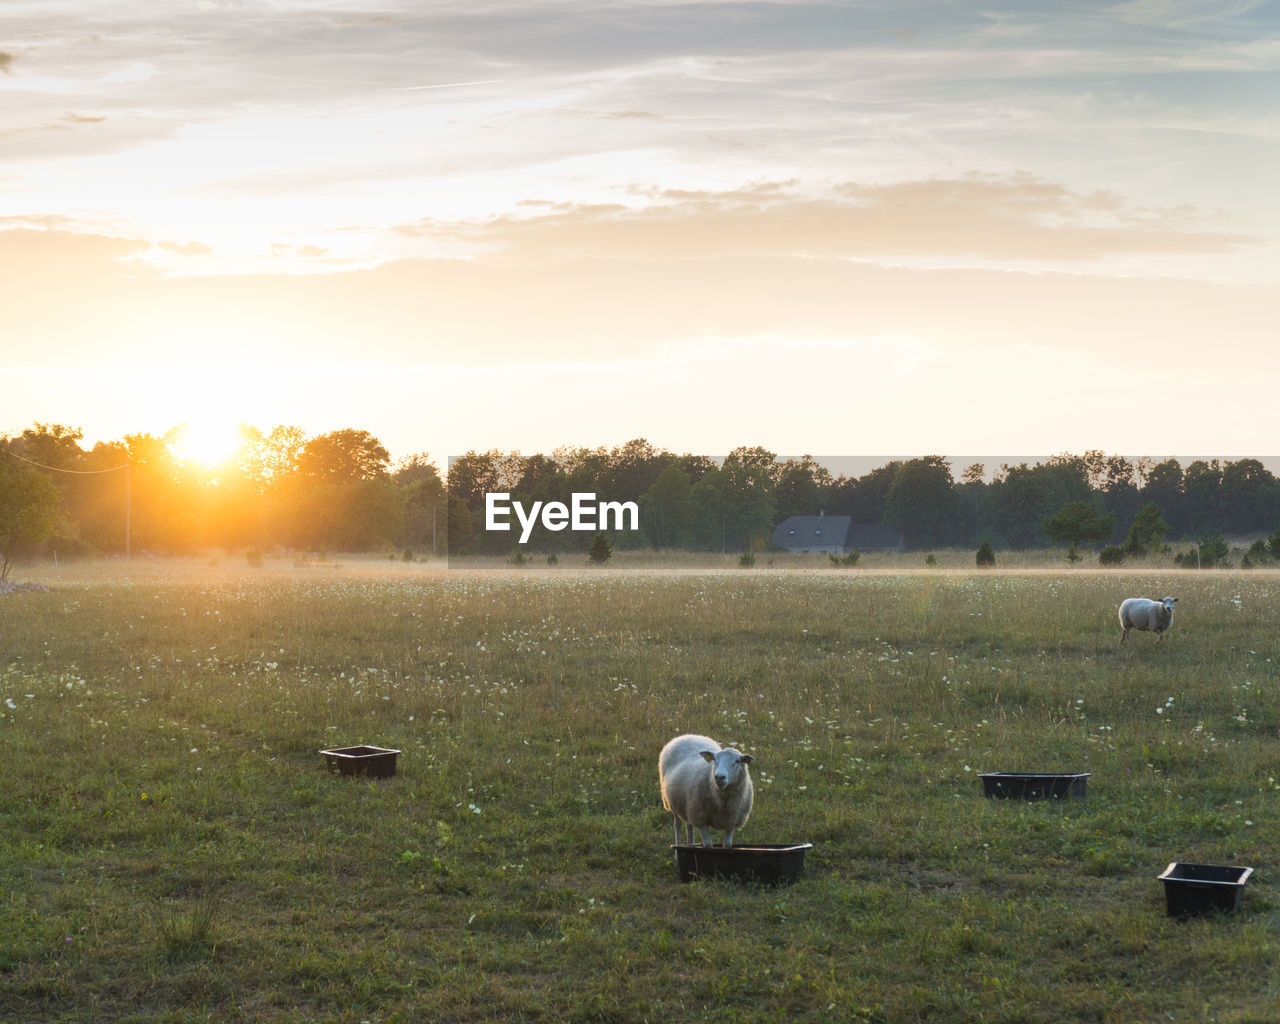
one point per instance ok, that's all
(705, 786)
(1143, 613)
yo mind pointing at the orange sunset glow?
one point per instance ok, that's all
(866, 229)
(208, 443)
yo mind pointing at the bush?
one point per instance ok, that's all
(985, 555)
(1212, 551)
(254, 557)
(552, 559)
(1259, 553)
(1112, 554)
(600, 551)
(1146, 535)
(845, 561)
(930, 560)
(747, 559)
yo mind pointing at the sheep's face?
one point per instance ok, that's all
(1169, 602)
(727, 766)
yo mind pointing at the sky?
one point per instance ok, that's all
(861, 228)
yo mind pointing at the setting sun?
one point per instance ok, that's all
(207, 443)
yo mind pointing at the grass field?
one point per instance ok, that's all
(173, 848)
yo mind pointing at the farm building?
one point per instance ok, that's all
(834, 535)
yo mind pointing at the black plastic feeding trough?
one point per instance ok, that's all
(1194, 889)
(1034, 785)
(375, 762)
(769, 864)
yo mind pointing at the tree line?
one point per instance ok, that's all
(732, 505)
(338, 491)
(281, 489)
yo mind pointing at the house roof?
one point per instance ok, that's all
(812, 531)
(872, 536)
(807, 532)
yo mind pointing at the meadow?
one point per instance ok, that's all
(174, 849)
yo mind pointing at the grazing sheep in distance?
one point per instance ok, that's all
(1143, 613)
(704, 786)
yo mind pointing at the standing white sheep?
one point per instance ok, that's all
(1146, 614)
(705, 786)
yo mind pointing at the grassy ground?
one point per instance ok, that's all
(174, 850)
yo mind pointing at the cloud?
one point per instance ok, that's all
(611, 306)
(284, 250)
(1018, 220)
(185, 248)
(1184, 14)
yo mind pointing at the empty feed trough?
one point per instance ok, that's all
(374, 762)
(768, 864)
(1034, 785)
(1191, 890)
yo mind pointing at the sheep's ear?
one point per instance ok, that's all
(746, 759)
(707, 755)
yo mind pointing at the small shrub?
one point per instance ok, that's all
(517, 557)
(1212, 551)
(1214, 547)
(552, 559)
(1259, 553)
(747, 559)
(985, 556)
(845, 561)
(930, 560)
(1146, 535)
(254, 557)
(408, 555)
(1273, 544)
(600, 551)
(1112, 554)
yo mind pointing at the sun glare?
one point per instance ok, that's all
(207, 443)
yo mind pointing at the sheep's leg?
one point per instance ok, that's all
(706, 835)
(728, 838)
(1124, 634)
(676, 821)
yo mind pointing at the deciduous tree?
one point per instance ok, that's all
(30, 509)
(1076, 522)
(921, 502)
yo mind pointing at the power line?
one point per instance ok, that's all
(127, 465)
(58, 469)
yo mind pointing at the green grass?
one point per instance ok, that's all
(174, 849)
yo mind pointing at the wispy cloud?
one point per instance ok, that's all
(1017, 221)
(463, 312)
